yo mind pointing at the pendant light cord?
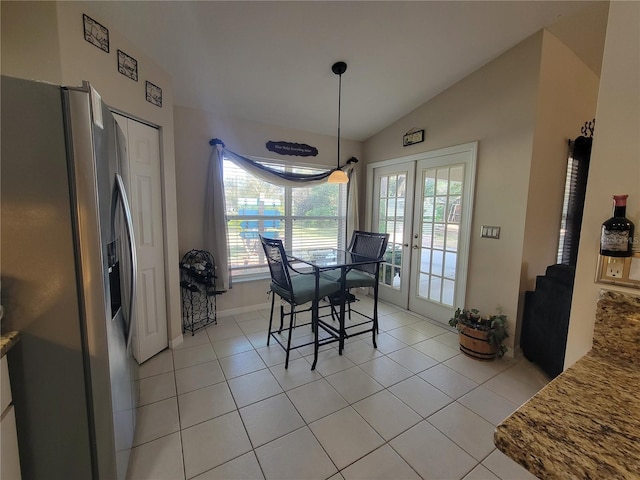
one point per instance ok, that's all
(339, 109)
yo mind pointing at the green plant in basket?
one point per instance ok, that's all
(495, 326)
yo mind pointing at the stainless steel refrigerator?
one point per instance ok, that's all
(68, 280)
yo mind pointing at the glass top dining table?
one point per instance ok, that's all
(325, 259)
(329, 258)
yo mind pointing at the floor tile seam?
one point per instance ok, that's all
(236, 409)
(168, 434)
(325, 451)
(349, 368)
(182, 429)
(406, 460)
(421, 417)
(516, 406)
(524, 383)
(265, 367)
(196, 364)
(324, 416)
(252, 451)
(495, 425)
(414, 410)
(388, 443)
(452, 440)
(155, 375)
(470, 377)
(506, 398)
(338, 469)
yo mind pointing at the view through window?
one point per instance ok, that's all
(302, 217)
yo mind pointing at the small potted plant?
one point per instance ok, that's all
(480, 337)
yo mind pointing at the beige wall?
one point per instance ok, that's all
(496, 107)
(521, 108)
(193, 130)
(615, 164)
(567, 96)
(45, 41)
(30, 52)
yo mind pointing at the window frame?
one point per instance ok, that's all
(288, 219)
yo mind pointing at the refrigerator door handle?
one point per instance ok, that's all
(126, 210)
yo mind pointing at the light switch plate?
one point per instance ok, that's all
(489, 231)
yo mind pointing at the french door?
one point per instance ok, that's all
(425, 204)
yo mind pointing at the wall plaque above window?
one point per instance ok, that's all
(288, 148)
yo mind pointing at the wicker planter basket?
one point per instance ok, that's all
(475, 344)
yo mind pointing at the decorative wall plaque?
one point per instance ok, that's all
(96, 33)
(128, 66)
(412, 137)
(154, 94)
(288, 148)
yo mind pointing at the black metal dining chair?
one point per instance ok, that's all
(367, 244)
(296, 288)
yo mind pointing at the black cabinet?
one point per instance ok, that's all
(545, 322)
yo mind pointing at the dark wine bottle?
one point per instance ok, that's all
(617, 232)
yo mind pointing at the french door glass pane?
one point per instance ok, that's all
(391, 220)
(441, 203)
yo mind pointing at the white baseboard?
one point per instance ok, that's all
(173, 343)
(240, 310)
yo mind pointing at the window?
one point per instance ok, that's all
(312, 217)
(573, 204)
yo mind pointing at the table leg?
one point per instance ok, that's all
(314, 319)
(343, 299)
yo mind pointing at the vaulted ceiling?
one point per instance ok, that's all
(270, 62)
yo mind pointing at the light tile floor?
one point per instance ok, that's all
(222, 406)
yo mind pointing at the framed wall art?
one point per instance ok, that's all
(412, 137)
(127, 65)
(96, 33)
(154, 94)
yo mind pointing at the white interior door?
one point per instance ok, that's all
(143, 178)
(425, 203)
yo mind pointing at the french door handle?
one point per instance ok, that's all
(416, 247)
(405, 244)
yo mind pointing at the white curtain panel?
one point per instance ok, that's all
(215, 222)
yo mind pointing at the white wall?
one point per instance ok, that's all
(45, 41)
(614, 166)
(193, 130)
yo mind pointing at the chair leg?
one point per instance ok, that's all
(375, 314)
(281, 318)
(273, 301)
(286, 360)
(314, 324)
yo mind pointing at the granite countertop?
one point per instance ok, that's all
(8, 340)
(586, 422)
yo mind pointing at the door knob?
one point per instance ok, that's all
(416, 247)
(405, 244)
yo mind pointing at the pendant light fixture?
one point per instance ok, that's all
(338, 176)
